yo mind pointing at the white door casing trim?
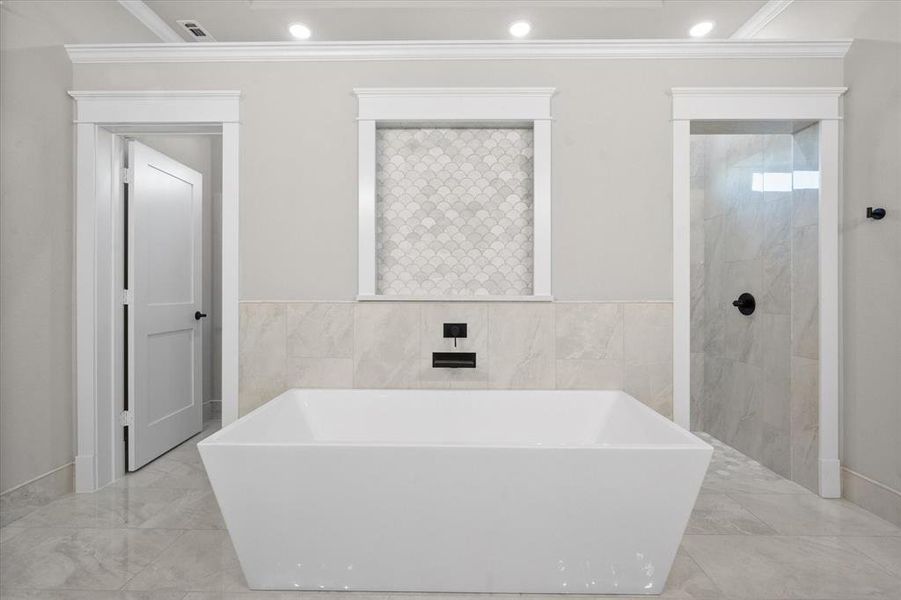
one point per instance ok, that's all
(463, 105)
(822, 104)
(96, 296)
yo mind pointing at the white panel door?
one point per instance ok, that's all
(165, 311)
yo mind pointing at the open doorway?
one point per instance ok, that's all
(171, 263)
(103, 119)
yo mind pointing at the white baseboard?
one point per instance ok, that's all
(830, 478)
(215, 409)
(35, 479)
(876, 497)
(85, 480)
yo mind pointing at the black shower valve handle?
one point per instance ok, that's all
(745, 304)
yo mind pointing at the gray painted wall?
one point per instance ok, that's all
(612, 160)
(872, 256)
(36, 226)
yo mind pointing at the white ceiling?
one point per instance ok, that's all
(364, 20)
(821, 19)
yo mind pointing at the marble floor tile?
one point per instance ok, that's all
(780, 567)
(158, 535)
(110, 508)
(449, 596)
(197, 561)
(259, 595)
(720, 515)
(808, 514)
(17, 503)
(86, 559)
(194, 509)
(8, 533)
(885, 551)
(687, 581)
(730, 471)
(87, 595)
(169, 473)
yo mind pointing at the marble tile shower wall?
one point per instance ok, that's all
(754, 378)
(805, 314)
(563, 345)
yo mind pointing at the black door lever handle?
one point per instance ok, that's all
(199, 315)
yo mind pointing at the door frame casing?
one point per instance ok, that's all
(98, 294)
(821, 104)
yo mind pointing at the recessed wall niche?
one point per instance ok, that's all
(454, 194)
(454, 211)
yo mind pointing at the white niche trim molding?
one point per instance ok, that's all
(478, 107)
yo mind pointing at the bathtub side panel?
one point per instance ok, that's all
(456, 519)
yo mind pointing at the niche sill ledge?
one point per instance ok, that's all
(381, 298)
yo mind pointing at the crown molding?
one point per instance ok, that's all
(426, 4)
(151, 21)
(761, 19)
(452, 50)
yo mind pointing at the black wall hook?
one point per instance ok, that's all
(875, 213)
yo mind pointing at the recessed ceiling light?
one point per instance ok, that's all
(701, 29)
(300, 31)
(520, 29)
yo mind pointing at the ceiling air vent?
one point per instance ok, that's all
(196, 31)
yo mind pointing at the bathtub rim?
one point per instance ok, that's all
(692, 442)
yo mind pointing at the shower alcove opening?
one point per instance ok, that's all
(754, 222)
(756, 175)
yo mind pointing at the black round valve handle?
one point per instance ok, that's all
(199, 315)
(745, 304)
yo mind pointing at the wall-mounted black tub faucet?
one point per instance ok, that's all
(453, 360)
(745, 304)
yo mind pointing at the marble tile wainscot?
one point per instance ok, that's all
(543, 345)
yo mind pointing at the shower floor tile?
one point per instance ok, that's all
(158, 535)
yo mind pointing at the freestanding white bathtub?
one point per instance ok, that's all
(456, 491)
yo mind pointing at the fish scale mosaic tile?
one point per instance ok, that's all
(454, 211)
